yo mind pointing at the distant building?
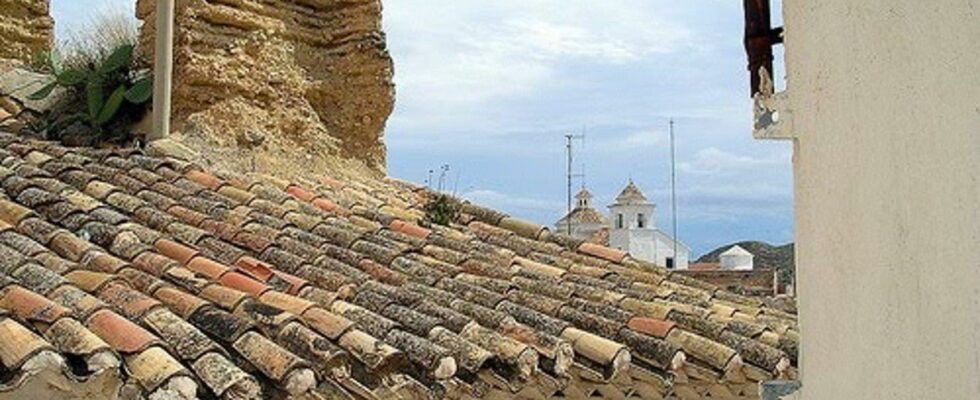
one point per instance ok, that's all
(736, 258)
(634, 230)
(631, 226)
(584, 222)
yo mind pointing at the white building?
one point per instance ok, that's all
(634, 230)
(584, 222)
(737, 258)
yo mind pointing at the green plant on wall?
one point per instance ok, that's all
(96, 93)
(442, 210)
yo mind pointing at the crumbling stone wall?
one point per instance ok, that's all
(26, 29)
(298, 80)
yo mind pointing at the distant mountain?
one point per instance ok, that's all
(766, 256)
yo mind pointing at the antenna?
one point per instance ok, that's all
(444, 169)
(673, 189)
(456, 185)
(569, 175)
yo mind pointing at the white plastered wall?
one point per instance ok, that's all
(885, 103)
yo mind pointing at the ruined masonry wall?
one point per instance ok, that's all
(26, 28)
(300, 80)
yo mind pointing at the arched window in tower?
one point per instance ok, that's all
(619, 221)
(641, 221)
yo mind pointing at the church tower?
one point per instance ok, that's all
(633, 229)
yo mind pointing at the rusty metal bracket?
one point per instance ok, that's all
(760, 36)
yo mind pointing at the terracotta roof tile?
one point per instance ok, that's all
(301, 193)
(410, 229)
(204, 179)
(243, 283)
(188, 342)
(226, 297)
(37, 278)
(207, 267)
(30, 306)
(18, 344)
(90, 281)
(123, 335)
(82, 304)
(255, 268)
(154, 367)
(154, 264)
(71, 337)
(222, 376)
(651, 326)
(269, 358)
(131, 303)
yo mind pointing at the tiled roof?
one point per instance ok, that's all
(631, 194)
(704, 266)
(584, 215)
(247, 286)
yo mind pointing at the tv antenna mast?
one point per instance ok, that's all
(444, 170)
(569, 151)
(673, 189)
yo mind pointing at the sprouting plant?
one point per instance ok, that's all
(99, 89)
(441, 210)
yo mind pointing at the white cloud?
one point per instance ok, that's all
(501, 201)
(714, 161)
(468, 55)
(639, 140)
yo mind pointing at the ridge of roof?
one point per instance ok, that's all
(736, 250)
(254, 286)
(584, 215)
(631, 194)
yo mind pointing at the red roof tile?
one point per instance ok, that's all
(175, 251)
(651, 326)
(30, 306)
(606, 253)
(243, 283)
(123, 335)
(300, 193)
(204, 179)
(207, 267)
(254, 268)
(409, 229)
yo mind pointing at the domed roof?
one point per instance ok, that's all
(631, 194)
(584, 194)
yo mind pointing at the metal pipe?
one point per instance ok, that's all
(163, 69)
(673, 191)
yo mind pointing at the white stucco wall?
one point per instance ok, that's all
(885, 103)
(631, 213)
(649, 245)
(736, 261)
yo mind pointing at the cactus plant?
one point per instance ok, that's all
(91, 84)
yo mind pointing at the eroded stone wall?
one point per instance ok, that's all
(26, 29)
(300, 81)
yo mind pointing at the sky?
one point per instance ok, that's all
(490, 88)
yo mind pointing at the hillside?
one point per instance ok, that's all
(766, 256)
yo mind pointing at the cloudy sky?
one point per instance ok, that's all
(491, 88)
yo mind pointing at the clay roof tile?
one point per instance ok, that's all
(123, 335)
(31, 307)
